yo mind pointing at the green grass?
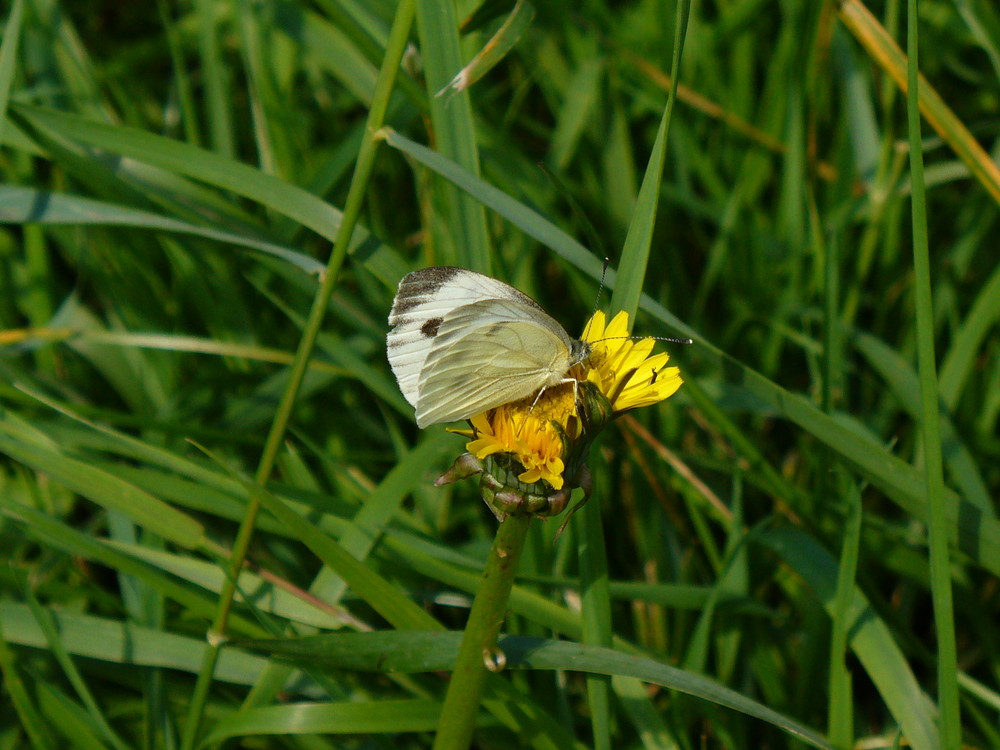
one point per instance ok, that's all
(205, 212)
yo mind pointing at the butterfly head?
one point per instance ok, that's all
(579, 352)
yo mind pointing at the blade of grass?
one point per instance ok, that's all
(258, 90)
(55, 644)
(365, 718)
(582, 96)
(967, 342)
(868, 635)
(65, 717)
(102, 487)
(15, 688)
(904, 382)
(19, 205)
(182, 80)
(182, 158)
(937, 521)
(467, 241)
(981, 21)
(8, 58)
(352, 211)
(216, 97)
(62, 537)
(635, 253)
(841, 707)
(705, 105)
(268, 593)
(495, 49)
(117, 642)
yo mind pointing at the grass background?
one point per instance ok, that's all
(172, 185)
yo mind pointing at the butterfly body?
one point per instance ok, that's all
(463, 342)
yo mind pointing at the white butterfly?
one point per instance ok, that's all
(463, 343)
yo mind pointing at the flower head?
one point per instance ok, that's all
(533, 452)
(622, 368)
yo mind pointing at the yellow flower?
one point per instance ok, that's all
(621, 367)
(529, 431)
(547, 438)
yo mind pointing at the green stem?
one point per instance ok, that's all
(597, 630)
(465, 691)
(938, 531)
(352, 210)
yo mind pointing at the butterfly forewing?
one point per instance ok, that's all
(463, 343)
(424, 299)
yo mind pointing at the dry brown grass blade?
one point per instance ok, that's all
(884, 51)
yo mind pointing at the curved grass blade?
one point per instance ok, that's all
(58, 535)
(101, 487)
(21, 700)
(53, 639)
(423, 651)
(635, 253)
(967, 343)
(494, 50)
(19, 205)
(182, 158)
(118, 642)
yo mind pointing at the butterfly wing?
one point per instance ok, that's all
(424, 300)
(488, 353)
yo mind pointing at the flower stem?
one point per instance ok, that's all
(465, 692)
(597, 631)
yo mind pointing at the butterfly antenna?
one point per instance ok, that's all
(668, 339)
(671, 340)
(655, 338)
(597, 302)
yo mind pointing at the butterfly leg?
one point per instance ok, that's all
(540, 392)
(576, 390)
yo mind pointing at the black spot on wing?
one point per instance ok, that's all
(430, 328)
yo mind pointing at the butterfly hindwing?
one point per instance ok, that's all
(489, 353)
